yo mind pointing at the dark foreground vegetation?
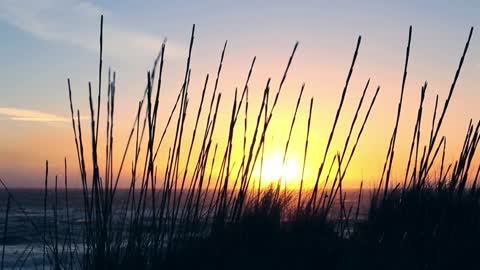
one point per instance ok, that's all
(186, 217)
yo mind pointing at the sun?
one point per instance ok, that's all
(274, 169)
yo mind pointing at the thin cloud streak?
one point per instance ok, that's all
(16, 114)
(76, 22)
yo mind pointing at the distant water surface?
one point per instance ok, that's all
(25, 231)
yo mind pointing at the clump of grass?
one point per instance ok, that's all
(428, 223)
(191, 215)
(162, 216)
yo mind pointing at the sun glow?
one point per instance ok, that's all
(274, 169)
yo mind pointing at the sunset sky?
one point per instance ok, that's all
(44, 42)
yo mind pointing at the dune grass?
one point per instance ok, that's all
(186, 216)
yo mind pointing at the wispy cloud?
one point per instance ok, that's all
(76, 22)
(16, 114)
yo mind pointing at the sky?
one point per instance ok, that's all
(44, 42)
